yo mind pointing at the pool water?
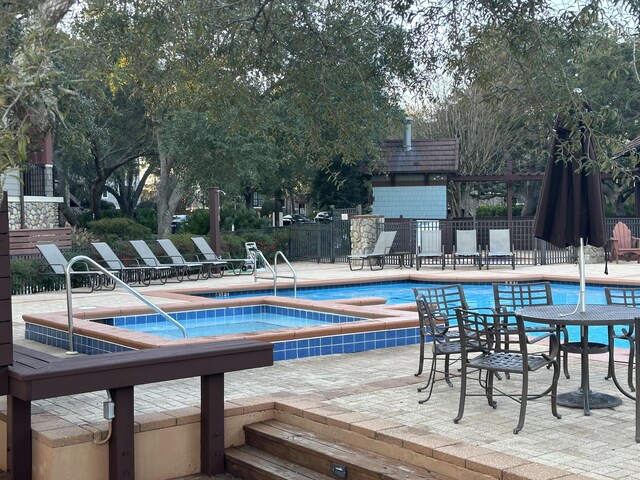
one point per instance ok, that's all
(477, 296)
(224, 321)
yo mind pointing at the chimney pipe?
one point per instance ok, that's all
(406, 144)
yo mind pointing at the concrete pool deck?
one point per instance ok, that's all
(380, 383)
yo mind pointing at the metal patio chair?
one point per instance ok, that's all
(444, 340)
(484, 332)
(466, 247)
(380, 251)
(430, 246)
(129, 273)
(629, 296)
(57, 264)
(206, 266)
(500, 247)
(510, 296)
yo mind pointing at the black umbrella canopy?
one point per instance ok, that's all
(570, 205)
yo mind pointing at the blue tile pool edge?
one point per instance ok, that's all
(284, 350)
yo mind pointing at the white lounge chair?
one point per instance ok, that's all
(466, 247)
(380, 251)
(500, 247)
(429, 247)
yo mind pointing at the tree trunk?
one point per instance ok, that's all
(532, 191)
(170, 190)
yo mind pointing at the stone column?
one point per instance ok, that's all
(364, 232)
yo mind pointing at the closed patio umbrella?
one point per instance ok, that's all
(570, 208)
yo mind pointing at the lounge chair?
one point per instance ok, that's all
(57, 264)
(466, 247)
(500, 247)
(378, 254)
(132, 273)
(236, 265)
(485, 331)
(206, 266)
(163, 270)
(430, 247)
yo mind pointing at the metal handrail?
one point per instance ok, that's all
(257, 254)
(294, 277)
(67, 275)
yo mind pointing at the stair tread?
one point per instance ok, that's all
(324, 449)
(271, 464)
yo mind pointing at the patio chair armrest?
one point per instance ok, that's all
(536, 338)
(193, 256)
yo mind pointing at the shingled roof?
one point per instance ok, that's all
(437, 155)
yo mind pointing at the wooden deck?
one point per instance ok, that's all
(35, 375)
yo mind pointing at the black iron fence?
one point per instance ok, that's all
(331, 243)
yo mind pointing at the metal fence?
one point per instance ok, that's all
(331, 243)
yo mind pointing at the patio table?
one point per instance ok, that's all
(594, 315)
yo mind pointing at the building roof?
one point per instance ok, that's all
(437, 155)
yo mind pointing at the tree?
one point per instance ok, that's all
(28, 81)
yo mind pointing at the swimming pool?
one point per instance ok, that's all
(477, 294)
(378, 315)
(226, 321)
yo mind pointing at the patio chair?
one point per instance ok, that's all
(132, 273)
(236, 265)
(629, 296)
(206, 266)
(430, 247)
(380, 251)
(508, 297)
(57, 264)
(161, 270)
(500, 247)
(466, 247)
(193, 270)
(484, 331)
(435, 328)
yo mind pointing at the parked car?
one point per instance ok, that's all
(323, 217)
(295, 218)
(178, 222)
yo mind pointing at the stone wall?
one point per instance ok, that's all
(593, 254)
(364, 232)
(37, 215)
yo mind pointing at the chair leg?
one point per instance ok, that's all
(554, 390)
(446, 370)
(611, 372)
(523, 401)
(430, 382)
(632, 354)
(463, 392)
(421, 363)
(489, 389)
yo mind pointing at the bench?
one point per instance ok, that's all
(622, 242)
(24, 241)
(35, 376)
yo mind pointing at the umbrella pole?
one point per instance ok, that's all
(581, 306)
(582, 278)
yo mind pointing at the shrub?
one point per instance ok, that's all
(497, 210)
(241, 218)
(198, 222)
(147, 217)
(113, 229)
(27, 277)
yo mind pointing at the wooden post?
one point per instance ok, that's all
(121, 450)
(214, 219)
(212, 424)
(6, 326)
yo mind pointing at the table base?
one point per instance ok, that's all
(575, 399)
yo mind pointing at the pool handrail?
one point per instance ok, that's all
(294, 277)
(255, 255)
(67, 274)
